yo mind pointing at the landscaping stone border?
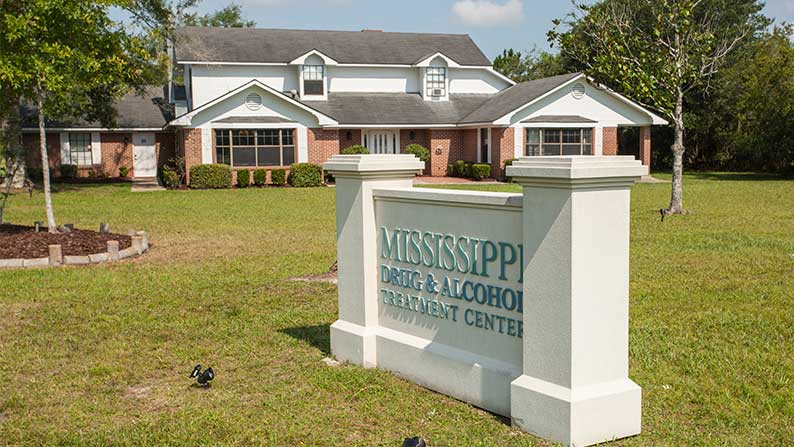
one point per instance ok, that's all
(140, 245)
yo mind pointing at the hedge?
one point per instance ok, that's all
(278, 177)
(480, 171)
(421, 152)
(304, 175)
(68, 171)
(169, 177)
(356, 149)
(260, 177)
(243, 178)
(211, 176)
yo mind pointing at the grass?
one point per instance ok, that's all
(100, 355)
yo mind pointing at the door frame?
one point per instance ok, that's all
(479, 145)
(153, 145)
(365, 133)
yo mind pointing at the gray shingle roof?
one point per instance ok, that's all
(352, 47)
(559, 119)
(133, 112)
(396, 108)
(254, 120)
(514, 97)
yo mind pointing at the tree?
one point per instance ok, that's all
(11, 151)
(657, 52)
(534, 65)
(228, 17)
(71, 61)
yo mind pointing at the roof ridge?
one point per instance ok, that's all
(322, 30)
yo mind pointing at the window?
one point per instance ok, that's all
(436, 81)
(242, 148)
(559, 142)
(313, 83)
(80, 149)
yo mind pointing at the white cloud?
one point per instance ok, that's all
(488, 12)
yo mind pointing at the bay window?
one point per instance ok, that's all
(559, 142)
(243, 148)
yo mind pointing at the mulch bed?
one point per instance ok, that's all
(18, 241)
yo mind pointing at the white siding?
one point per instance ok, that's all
(272, 105)
(471, 80)
(373, 79)
(210, 82)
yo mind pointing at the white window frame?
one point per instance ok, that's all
(302, 73)
(479, 145)
(445, 88)
(89, 150)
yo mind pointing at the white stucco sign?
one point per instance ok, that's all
(516, 303)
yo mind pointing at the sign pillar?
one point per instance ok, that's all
(575, 387)
(353, 334)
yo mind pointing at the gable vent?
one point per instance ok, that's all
(578, 90)
(253, 101)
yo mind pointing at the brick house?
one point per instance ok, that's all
(266, 98)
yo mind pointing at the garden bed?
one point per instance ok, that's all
(18, 241)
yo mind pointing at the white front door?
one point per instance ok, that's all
(144, 156)
(382, 141)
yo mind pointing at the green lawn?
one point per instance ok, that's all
(100, 355)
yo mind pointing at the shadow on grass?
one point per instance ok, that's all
(735, 176)
(318, 336)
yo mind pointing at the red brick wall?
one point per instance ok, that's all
(502, 149)
(446, 146)
(645, 145)
(344, 141)
(191, 147)
(470, 145)
(33, 153)
(117, 151)
(322, 144)
(610, 141)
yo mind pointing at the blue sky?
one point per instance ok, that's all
(493, 24)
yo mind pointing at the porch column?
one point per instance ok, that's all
(353, 334)
(645, 145)
(575, 387)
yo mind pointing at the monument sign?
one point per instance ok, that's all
(516, 303)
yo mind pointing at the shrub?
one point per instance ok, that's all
(451, 170)
(278, 177)
(260, 177)
(243, 178)
(35, 175)
(123, 171)
(355, 149)
(304, 175)
(211, 176)
(460, 168)
(509, 163)
(480, 171)
(421, 152)
(467, 170)
(169, 177)
(68, 171)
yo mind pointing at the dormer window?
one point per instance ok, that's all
(313, 83)
(436, 82)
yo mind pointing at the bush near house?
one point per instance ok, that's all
(243, 178)
(211, 176)
(421, 152)
(169, 177)
(303, 175)
(68, 171)
(356, 149)
(260, 177)
(480, 171)
(123, 171)
(278, 177)
(35, 175)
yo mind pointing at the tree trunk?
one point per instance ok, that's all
(45, 167)
(677, 194)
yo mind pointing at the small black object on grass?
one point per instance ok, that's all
(663, 212)
(202, 378)
(104, 228)
(414, 442)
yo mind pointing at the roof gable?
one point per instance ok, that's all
(279, 46)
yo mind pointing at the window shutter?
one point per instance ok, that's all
(96, 149)
(65, 156)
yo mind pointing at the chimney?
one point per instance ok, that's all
(366, 30)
